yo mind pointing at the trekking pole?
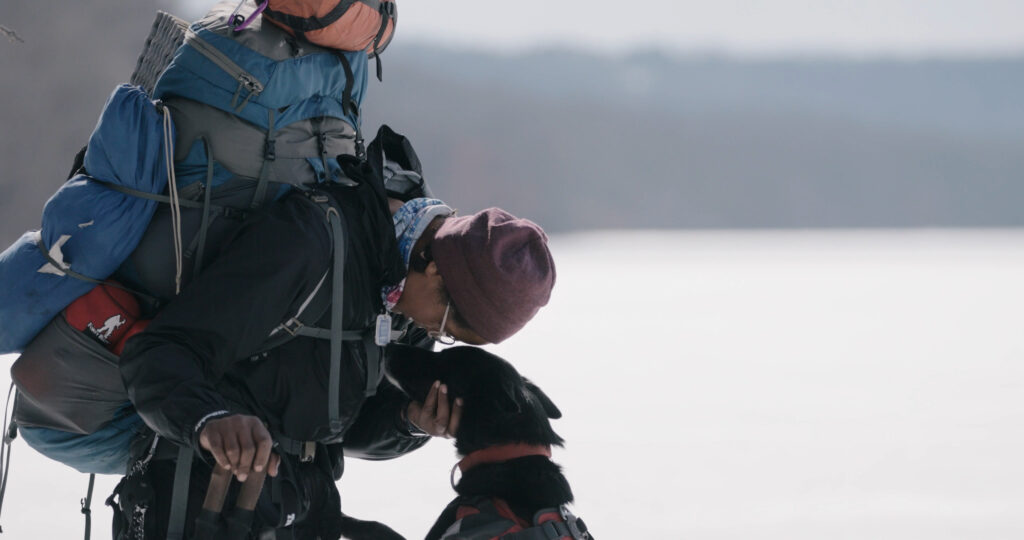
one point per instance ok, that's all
(239, 519)
(208, 526)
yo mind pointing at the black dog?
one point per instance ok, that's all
(510, 488)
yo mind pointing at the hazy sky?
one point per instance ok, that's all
(858, 27)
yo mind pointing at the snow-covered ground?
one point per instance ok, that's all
(736, 385)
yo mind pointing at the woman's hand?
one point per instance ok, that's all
(437, 416)
(240, 443)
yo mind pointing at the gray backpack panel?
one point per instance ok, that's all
(238, 146)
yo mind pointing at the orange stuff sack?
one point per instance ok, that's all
(348, 25)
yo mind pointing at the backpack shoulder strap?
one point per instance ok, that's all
(336, 334)
(313, 309)
(315, 306)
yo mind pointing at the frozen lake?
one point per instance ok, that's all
(735, 385)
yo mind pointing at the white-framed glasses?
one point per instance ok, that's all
(441, 336)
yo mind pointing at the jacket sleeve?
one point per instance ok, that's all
(254, 284)
(380, 431)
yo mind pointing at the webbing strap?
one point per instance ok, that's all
(66, 270)
(346, 99)
(337, 314)
(386, 11)
(154, 197)
(324, 333)
(179, 496)
(269, 154)
(549, 530)
(336, 333)
(305, 450)
(372, 364)
(322, 148)
(204, 224)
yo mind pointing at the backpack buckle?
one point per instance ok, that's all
(577, 529)
(292, 326)
(234, 213)
(316, 197)
(360, 149)
(308, 452)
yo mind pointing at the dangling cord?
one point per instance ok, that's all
(386, 14)
(86, 503)
(204, 224)
(172, 184)
(5, 449)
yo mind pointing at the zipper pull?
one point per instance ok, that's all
(254, 87)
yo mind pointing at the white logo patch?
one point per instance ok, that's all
(104, 332)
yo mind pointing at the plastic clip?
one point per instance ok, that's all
(308, 453)
(292, 326)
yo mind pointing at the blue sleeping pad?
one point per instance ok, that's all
(86, 225)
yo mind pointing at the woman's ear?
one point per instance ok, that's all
(431, 269)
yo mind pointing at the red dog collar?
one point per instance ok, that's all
(502, 452)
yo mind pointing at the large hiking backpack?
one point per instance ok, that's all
(257, 112)
(71, 404)
(254, 113)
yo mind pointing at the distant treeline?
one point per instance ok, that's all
(648, 140)
(578, 141)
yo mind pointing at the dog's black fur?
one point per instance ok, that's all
(499, 407)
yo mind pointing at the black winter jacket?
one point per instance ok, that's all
(201, 354)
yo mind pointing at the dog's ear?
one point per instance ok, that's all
(549, 406)
(511, 400)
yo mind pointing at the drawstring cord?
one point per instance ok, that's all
(172, 184)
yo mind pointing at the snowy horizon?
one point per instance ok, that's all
(721, 385)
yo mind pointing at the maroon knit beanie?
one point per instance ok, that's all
(496, 268)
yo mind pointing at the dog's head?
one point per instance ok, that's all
(499, 405)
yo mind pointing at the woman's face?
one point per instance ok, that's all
(424, 302)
